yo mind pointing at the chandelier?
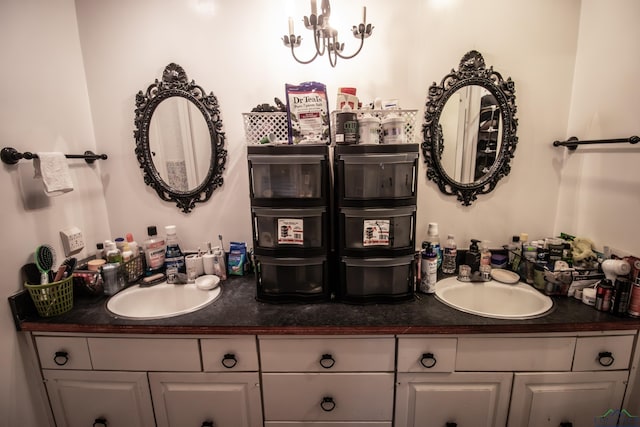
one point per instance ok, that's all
(325, 37)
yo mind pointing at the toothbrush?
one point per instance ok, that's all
(221, 242)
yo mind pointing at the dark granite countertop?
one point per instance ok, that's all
(238, 312)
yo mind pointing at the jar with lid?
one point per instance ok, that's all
(393, 129)
(369, 128)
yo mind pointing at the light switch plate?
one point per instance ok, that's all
(72, 240)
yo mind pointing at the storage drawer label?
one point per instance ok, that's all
(375, 232)
(290, 231)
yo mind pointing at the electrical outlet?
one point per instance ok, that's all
(72, 240)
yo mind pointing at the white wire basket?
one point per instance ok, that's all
(409, 117)
(260, 125)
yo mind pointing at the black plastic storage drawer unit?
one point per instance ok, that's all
(291, 221)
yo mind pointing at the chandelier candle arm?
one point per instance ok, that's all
(325, 38)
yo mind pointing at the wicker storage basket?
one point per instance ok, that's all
(52, 299)
(133, 269)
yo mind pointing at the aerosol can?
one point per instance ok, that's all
(428, 268)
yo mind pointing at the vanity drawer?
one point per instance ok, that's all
(327, 354)
(603, 353)
(229, 354)
(63, 352)
(328, 397)
(427, 354)
(515, 354)
(328, 424)
(145, 354)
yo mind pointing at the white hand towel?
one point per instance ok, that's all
(54, 171)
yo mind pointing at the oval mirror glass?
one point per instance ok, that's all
(471, 133)
(180, 143)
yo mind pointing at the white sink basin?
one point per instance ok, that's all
(493, 299)
(160, 301)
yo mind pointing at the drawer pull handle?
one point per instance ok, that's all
(100, 422)
(229, 360)
(327, 404)
(61, 358)
(605, 358)
(207, 424)
(327, 361)
(428, 360)
(566, 424)
(450, 424)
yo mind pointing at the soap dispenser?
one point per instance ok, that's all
(472, 258)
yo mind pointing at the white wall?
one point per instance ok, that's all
(600, 188)
(236, 52)
(49, 102)
(44, 106)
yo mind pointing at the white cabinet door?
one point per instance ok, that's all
(86, 398)
(193, 399)
(466, 399)
(579, 398)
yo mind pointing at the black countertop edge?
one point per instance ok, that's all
(237, 312)
(329, 329)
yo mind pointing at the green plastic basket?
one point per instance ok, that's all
(52, 299)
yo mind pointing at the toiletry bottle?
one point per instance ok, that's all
(428, 269)
(113, 254)
(529, 255)
(127, 254)
(485, 254)
(219, 264)
(100, 251)
(514, 250)
(154, 251)
(472, 258)
(434, 239)
(449, 255)
(173, 258)
(133, 245)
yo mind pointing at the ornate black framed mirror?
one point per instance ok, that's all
(469, 130)
(179, 139)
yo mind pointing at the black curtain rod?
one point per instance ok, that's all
(11, 156)
(573, 142)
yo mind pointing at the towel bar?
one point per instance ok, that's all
(11, 156)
